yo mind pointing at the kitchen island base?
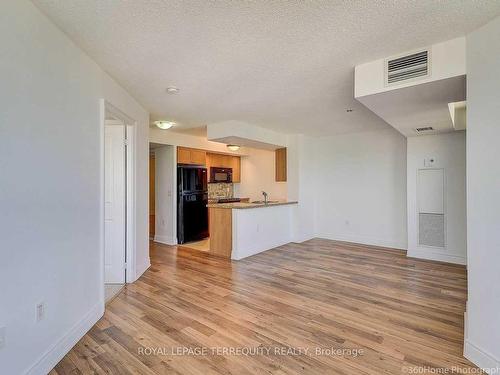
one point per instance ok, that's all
(238, 231)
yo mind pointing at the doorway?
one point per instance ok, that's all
(118, 200)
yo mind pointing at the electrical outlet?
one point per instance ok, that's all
(40, 311)
(2, 337)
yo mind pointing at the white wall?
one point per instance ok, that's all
(483, 195)
(361, 188)
(257, 175)
(165, 192)
(245, 133)
(50, 188)
(302, 185)
(259, 229)
(448, 150)
(167, 137)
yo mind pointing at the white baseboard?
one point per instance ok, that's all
(55, 353)
(248, 251)
(363, 240)
(482, 359)
(141, 268)
(303, 238)
(432, 254)
(167, 240)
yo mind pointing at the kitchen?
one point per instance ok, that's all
(206, 189)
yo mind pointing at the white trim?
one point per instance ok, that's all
(131, 127)
(167, 240)
(140, 269)
(102, 104)
(174, 197)
(249, 251)
(131, 199)
(430, 254)
(364, 240)
(481, 358)
(302, 238)
(53, 355)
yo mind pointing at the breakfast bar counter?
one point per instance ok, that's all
(241, 229)
(244, 205)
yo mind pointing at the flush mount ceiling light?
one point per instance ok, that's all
(164, 124)
(172, 90)
(233, 147)
(349, 110)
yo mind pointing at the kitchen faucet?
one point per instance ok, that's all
(265, 197)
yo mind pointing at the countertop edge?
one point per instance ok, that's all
(246, 206)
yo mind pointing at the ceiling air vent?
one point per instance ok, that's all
(407, 67)
(425, 129)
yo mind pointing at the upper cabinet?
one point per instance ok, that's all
(280, 164)
(187, 155)
(226, 161)
(191, 156)
(236, 165)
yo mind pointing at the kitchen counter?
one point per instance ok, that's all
(239, 230)
(244, 205)
(218, 200)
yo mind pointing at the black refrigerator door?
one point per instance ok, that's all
(193, 217)
(192, 179)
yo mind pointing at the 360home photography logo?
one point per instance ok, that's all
(448, 370)
(249, 351)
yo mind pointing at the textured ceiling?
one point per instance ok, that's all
(285, 65)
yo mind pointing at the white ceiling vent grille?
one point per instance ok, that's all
(408, 67)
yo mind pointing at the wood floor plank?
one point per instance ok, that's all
(292, 305)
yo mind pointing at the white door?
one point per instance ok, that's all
(114, 204)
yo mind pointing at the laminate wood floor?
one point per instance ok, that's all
(319, 307)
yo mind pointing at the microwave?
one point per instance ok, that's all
(221, 174)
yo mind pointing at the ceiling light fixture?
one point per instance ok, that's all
(164, 124)
(349, 110)
(172, 90)
(233, 147)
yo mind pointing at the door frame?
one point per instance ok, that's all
(131, 159)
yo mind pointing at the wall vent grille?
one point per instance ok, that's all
(424, 129)
(407, 67)
(431, 230)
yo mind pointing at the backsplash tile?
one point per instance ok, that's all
(220, 190)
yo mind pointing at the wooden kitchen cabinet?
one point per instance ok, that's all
(236, 165)
(225, 161)
(280, 164)
(198, 157)
(191, 156)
